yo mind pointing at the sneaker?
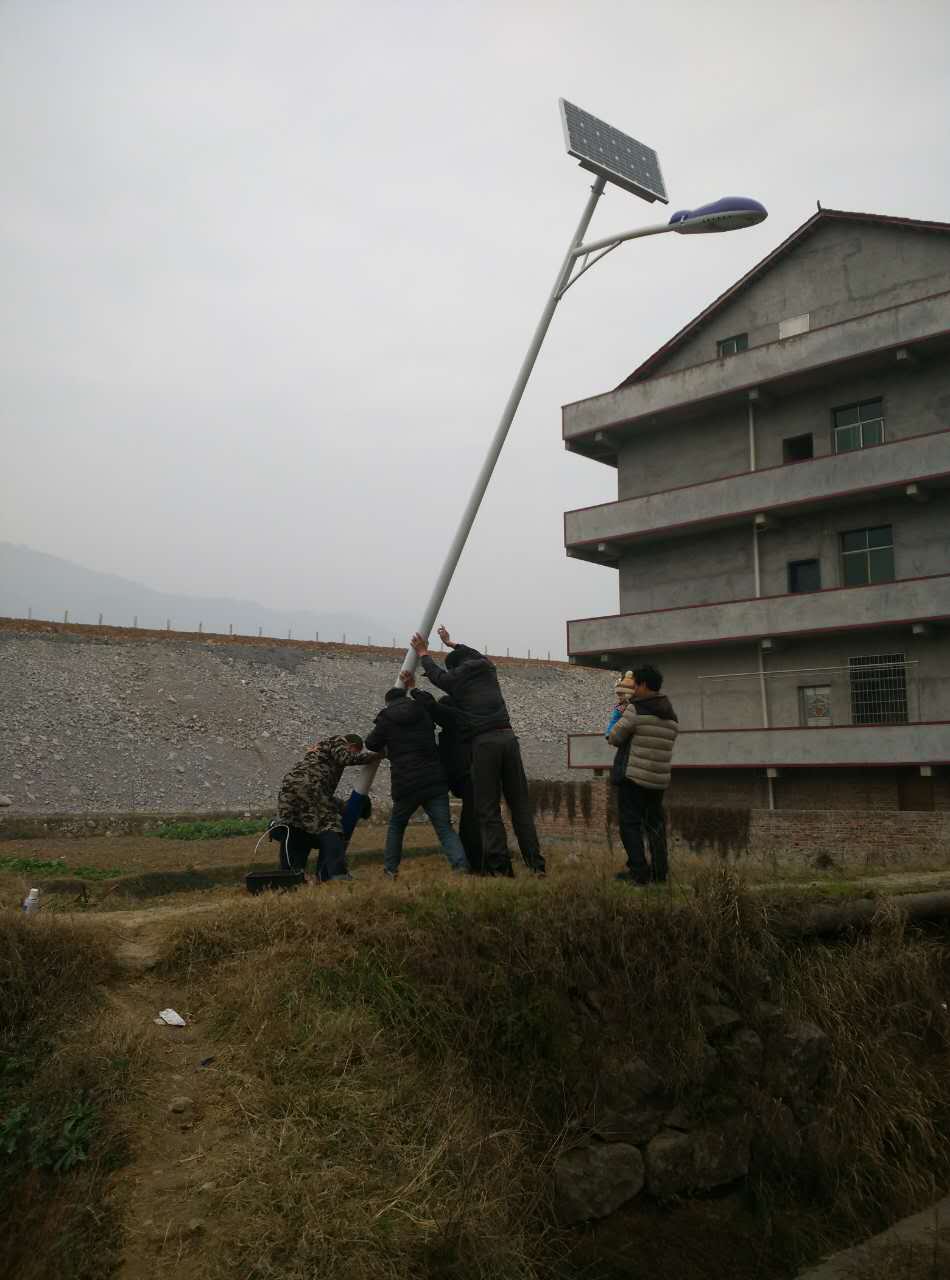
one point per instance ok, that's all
(627, 877)
(390, 875)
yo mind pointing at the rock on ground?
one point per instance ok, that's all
(679, 1162)
(593, 1181)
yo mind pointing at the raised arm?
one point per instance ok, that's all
(341, 752)
(438, 675)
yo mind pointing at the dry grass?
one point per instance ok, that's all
(405, 1059)
(65, 1064)
(880, 1151)
(417, 1021)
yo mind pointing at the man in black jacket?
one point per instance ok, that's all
(472, 682)
(404, 729)
(456, 756)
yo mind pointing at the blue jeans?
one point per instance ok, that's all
(438, 810)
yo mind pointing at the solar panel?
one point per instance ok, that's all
(618, 157)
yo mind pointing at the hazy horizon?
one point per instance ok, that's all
(270, 272)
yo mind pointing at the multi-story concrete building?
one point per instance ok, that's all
(782, 525)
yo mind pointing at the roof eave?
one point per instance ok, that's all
(649, 365)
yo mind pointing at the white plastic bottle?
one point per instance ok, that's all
(31, 903)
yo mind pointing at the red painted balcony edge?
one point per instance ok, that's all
(759, 382)
(772, 764)
(735, 475)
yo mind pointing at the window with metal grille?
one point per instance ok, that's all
(732, 346)
(856, 426)
(878, 689)
(867, 555)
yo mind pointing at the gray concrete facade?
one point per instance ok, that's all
(716, 511)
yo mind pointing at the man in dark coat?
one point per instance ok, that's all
(456, 756)
(405, 731)
(472, 682)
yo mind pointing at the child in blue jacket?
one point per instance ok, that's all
(624, 691)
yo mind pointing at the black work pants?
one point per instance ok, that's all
(470, 832)
(296, 845)
(497, 770)
(640, 813)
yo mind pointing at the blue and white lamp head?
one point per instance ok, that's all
(731, 213)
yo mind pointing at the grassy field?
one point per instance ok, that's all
(110, 873)
(377, 1077)
(93, 865)
(391, 1068)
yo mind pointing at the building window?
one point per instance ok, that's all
(814, 702)
(804, 575)
(732, 346)
(859, 425)
(798, 448)
(867, 555)
(878, 689)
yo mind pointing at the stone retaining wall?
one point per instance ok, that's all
(585, 813)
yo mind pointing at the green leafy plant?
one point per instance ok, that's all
(217, 829)
(58, 1142)
(65, 1144)
(40, 868)
(13, 1127)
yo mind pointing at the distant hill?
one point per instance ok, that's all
(45, 586)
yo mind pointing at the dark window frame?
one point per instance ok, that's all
(739, 341)
(800, 564)
(791, 440)
(867, 553)
(860, 424)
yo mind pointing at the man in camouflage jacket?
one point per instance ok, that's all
(309, 814)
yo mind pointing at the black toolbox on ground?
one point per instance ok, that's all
(262, 881)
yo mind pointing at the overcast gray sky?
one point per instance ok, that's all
(269, 269)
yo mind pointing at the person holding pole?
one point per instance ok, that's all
(309, 815)
(472, 681)
(457, 762)
(405, 731)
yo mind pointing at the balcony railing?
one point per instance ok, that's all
(920, 743)
(587, 424)
(600, 532)
(902, 604)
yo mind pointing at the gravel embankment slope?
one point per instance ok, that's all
(95, 720)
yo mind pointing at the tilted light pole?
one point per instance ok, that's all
(612, 157)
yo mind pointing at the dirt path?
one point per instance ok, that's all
(182, 1133)
(138, 935)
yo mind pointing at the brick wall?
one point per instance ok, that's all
(794, 838)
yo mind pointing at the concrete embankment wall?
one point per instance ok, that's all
(100, 719)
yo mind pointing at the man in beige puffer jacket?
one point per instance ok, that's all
(644, 737)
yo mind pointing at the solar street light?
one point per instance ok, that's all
(731, 213)
(613, 157)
